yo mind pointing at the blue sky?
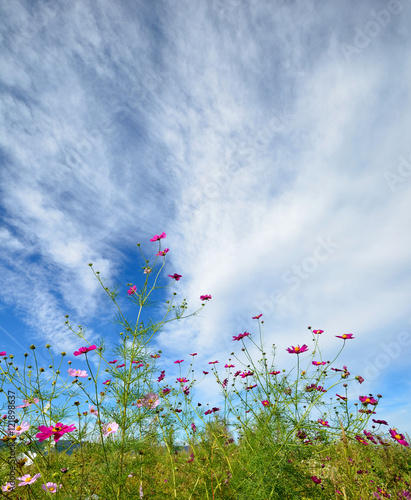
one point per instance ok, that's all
(269, 140)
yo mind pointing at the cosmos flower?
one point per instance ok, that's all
(175, 276)
(346, 336)
(297, 349)
(84, 350)
(157, 237)
(205, 297)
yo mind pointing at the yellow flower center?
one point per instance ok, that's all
(150, 401)
(51, 488)
(397, 436)
(27, 479)
(109, 429)
(56, 429)
(297, 348)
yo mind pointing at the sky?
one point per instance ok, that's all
(268, 139)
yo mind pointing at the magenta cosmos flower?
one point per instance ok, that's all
(3, 353)
(265, 403)
(368, 400)
(77, 373)
(323, 422)
(182, 380)
(257, 317)
(297, 349)
(150, 400)
(110, 428)
(57, 431)
(241, 336)
(318, 332)
(346, 336)
(398, 437)
(84, 350)
(27, 479)
(51, 487)
(205, 297)
(179, 361)
(157, 237)
(162, 253)
(175, 276)
(383, 422)
(132, 290)
(318, 363)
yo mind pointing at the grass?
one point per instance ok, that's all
(253, 467)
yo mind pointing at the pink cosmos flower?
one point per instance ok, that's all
(323, 422)
(19, 429)
(155, 356)
(166, 391)
(368, 400)
(77, 373)
(162, 253)
(193, 354)
(346, 336)
(7, 487)
(182, 380)
(205, 297)
(175, 276)
(275, 372)
(265, 402)
(297, 349)
(186, 390)
(246, 374)
(212, 362)
(241, 336)
(139, 365)
(51, 487)
(110, 428)
(28, 402)
(319, 363)
(205, 373)
(92, 410)
(121, 366)
(107, 382)
(150, 400)
(359, 378)
(161, 377)
(257, 317)
(57, 431)
(380, 422)
(147, 270)
(115, 361)
(84, 350)
(132, 290)
(318, 332)
(229, 366)
(193, 426)
(179, 361)
(27, 479)
(398, 437)
(3, 353)
(250, 387)
(225, 382)
(157, 237)
(315, 479)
